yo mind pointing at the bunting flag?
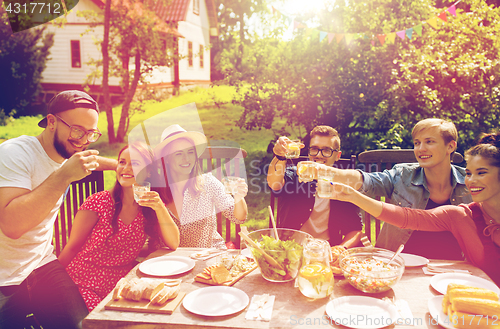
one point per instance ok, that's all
(330, 37)
(381, 38)
(443, 16)
(453, 10)
(409, 32)
(348, 38)
(322, 35)
(433, 22)
(388, 38)
(391, 38)
(418, 29)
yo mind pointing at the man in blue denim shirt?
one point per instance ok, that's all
(433, 182)
(332, 220)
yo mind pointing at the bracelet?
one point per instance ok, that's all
(279, 157)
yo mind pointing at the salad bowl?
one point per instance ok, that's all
(286, 251)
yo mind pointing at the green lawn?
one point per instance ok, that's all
(219, 123)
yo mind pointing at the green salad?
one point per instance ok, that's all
(287, 253)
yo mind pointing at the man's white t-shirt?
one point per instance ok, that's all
(24, 164)
(317, 224)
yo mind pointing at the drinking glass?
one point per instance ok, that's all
(293, 149)
(230, 184)
(306, 170)
(140, 189)
(325, 175)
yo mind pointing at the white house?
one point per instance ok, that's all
(68, 68)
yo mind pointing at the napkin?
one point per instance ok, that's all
(261, 308)
(206, 254)
(405, 316)
(428, 272)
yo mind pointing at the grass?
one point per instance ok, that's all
(218, 122)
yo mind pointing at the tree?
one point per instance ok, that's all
(374, 94)
(138, 42)
(228, 51)
(22, 60)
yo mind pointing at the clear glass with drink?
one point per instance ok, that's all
(315, 279)
(231, 184)
(293, 149)
(325, 175)
(306, 170)
(140, 189)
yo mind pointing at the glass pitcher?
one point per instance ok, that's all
(315, 279)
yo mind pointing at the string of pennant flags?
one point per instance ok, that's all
(388, 38)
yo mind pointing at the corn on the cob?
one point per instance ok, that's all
(476, 306)
(472, 292)
(466, 320)
(446, 303)
(452, 286)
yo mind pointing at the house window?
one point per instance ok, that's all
(75, 54)
(190, 53)
(196, 7)
(201, 56)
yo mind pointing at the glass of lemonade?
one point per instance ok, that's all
(306, 170)
(315, 279)
(325, 175)
(140, 189)
(293, 149)
(230, 184)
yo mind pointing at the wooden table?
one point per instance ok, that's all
(291, 308)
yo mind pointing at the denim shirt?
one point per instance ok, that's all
(406, 186)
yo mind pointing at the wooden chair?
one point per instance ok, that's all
(341, 163)
(75, 195)
(379, 160)
(231, 159)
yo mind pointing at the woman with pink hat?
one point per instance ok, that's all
(193, 198)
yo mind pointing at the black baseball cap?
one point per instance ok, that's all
(68, 100)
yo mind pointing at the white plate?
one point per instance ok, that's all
(436, 310)
(216, 301)
(166, 265)
(414, 260)
(361, 312)
(247, 253)
(440, 281)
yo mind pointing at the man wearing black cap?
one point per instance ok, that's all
(34, 174)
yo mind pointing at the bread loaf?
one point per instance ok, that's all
(151, 288)
(128, 285)
(118, 288)
(165, 291)
(172, 293)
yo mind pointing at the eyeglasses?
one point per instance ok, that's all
(326, 152)
(78, 132)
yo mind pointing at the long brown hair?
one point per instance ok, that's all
(151, 220)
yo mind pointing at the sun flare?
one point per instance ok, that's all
(295, 7)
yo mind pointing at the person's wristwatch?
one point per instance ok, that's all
(279, 157)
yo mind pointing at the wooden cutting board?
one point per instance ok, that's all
(229, 283)
(145, 306)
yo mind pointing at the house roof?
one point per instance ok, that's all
(177, 11)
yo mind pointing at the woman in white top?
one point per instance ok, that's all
(194, 198)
